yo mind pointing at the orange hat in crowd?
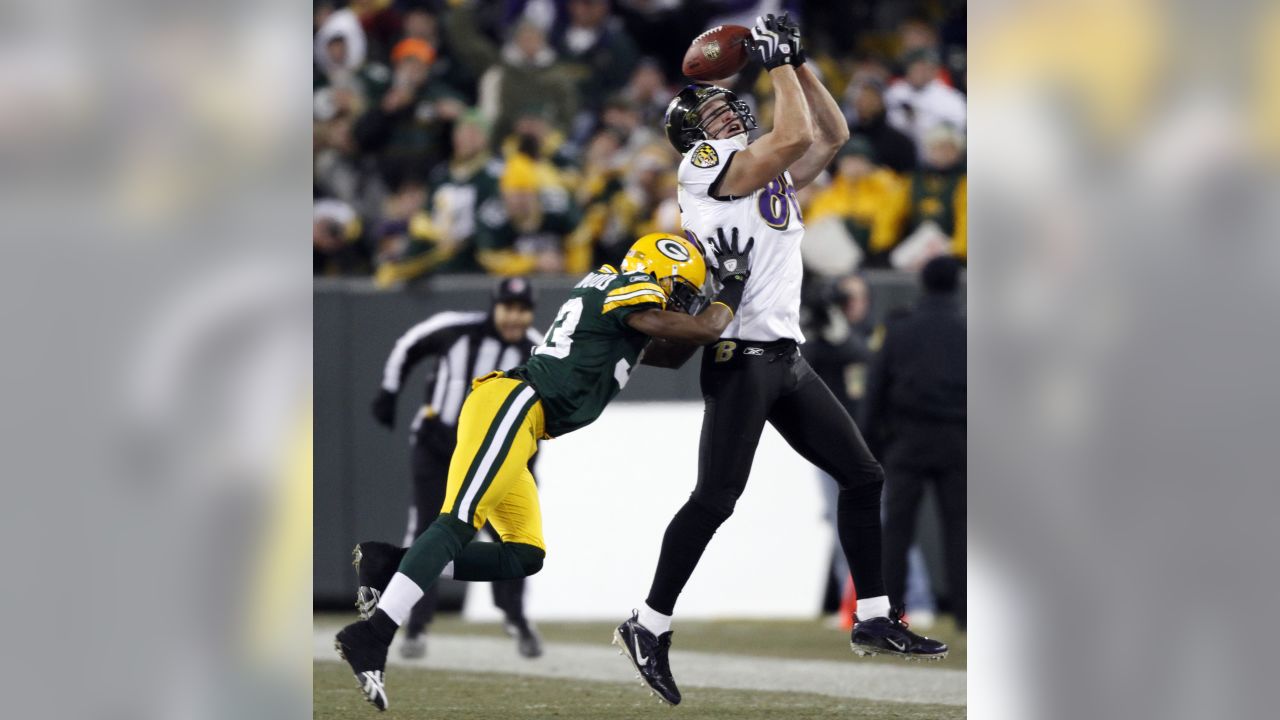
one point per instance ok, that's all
(413, 47)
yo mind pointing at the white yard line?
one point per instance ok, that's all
(852, 679)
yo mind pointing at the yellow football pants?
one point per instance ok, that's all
(489, 478)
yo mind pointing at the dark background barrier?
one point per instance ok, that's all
(361, 475)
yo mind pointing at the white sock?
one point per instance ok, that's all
(448, 571)
(654, 621)
(873, 607)
(400, 597)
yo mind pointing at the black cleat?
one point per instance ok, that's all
(649, 656)
(375, 563)
(891, 636)
(528, 641)
(367, 656)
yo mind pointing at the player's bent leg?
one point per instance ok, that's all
(496, 437)
(507, 497)
(492, 418)
(487, 562)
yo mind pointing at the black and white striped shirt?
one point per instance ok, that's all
(467, 347)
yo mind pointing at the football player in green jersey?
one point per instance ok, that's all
(582, 363)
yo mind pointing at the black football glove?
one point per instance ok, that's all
(771, 44)
(787, 28)
(733, 262)
(384, 408)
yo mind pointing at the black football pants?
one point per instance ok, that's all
(430, 478)
(744, 385)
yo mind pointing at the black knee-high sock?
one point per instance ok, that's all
(858, 524)
(682, 546)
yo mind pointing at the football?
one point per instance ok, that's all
(717, 53)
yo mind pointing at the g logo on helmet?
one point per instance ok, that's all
(673, 250)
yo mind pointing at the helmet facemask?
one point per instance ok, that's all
(682, 295)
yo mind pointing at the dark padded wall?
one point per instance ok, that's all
(361, 470)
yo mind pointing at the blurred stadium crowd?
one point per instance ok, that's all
(525, 136)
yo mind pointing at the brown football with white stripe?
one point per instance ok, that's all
(717, 53)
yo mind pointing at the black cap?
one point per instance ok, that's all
(941, 275)
(514, 290)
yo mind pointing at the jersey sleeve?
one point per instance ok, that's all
(704, 165)
(427, 338)
(630, 294)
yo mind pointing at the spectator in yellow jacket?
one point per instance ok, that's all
(527, 234)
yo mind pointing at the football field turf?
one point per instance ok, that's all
(738, 669)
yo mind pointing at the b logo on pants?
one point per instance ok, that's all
(724, 350)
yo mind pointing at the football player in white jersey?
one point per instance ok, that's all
(755, 373)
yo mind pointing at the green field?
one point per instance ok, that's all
(417, 692)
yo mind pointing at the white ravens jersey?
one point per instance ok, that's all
(770, 308)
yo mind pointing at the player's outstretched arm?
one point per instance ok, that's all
(733, 266)
(831, 131)
(700, 329)
(424, 340)
(792, 132)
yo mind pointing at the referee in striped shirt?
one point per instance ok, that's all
(465, 345)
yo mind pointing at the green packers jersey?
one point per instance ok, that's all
(589, 351)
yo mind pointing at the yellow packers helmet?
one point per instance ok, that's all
(675, 263)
